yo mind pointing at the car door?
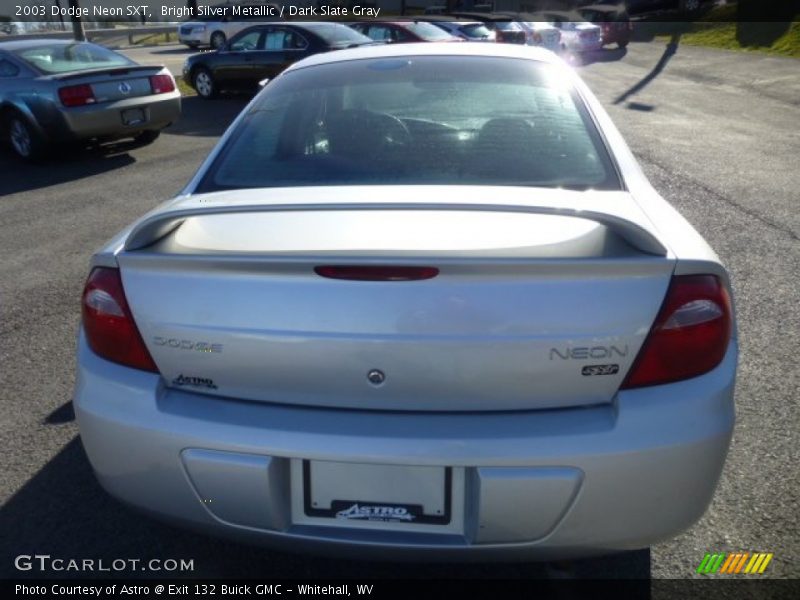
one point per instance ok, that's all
(9, 74)
(235, 65)
(281, 46)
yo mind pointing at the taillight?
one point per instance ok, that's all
(76, 95)
(690, 335)
(376, 273)
(108, 323)
(161, 84)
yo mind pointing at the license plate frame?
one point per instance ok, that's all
(132, 117)
(369, 510)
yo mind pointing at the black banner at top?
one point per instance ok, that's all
(142, 12)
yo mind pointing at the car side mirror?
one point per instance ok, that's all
(263, 82)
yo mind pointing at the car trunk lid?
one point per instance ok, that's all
(526, 310)
(115, 83)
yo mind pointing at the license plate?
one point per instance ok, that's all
(355, 493)
(133, 116)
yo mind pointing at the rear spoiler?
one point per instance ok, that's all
(154, 227)
(106, 71)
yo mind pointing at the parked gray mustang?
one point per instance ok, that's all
(58, 91)
(420, 300)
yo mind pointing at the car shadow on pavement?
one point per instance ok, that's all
(206, 118)
(209, 118)
(604, 55)
(62, 511)
(65, 164)
(63, 414)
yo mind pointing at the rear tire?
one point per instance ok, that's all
(24, 140)
(147, 137)
(217, 40)
(203, 82)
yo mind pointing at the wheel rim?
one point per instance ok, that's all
(20, 138)
(217, 40)
(692, 4)
(203, 84)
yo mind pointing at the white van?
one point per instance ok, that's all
(214, 31)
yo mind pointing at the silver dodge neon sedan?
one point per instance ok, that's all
(419, 301)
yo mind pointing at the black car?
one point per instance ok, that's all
(263, 51)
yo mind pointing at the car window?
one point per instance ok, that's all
(428, 32)
(336, 34)
(380, 33)
(284, 39)
(295, 41)
(416, 120)
(252, 40)
(66, 58)
(401, 35)
(8, 69)
(475, 30)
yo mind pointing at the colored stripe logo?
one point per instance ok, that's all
(732, 563)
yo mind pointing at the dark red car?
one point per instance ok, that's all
(613, 20)
(399, 32)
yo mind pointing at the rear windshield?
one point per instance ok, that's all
(475, 30)
(337, 34)
(67, 58)
(432, 120)
(428, 31)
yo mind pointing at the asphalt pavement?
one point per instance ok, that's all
(717, 133)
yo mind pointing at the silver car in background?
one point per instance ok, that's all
(577, 34)
(401, 314)
(470, 31)
(58, 91)
(542, 34)
(538, 32)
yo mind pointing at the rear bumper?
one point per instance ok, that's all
(537, 485)
(616, 37)
(105, 120)
(194, 38)
(587, 45)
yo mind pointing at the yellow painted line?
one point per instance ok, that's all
(765, 563)
(758, 563)
(741, 562)
(753, 560)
